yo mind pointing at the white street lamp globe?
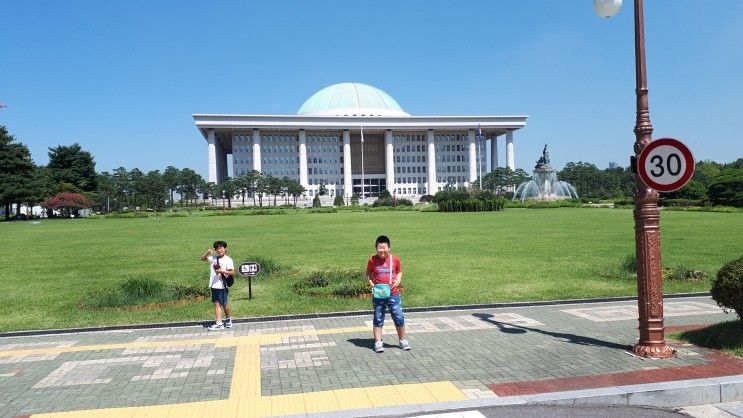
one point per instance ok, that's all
(606, 8)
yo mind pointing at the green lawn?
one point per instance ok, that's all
(514, 255)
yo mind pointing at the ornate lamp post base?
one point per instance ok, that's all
(654, 351)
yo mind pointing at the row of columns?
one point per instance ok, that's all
(218, 160)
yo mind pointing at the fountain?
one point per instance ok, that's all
(544, 185)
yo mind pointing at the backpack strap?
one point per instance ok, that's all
(391, 269)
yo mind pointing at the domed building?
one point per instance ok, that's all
(353, 134)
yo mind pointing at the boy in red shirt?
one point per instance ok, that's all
(384, 269)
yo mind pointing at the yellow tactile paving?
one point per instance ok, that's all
(246, 375)
(245, 398)
(353, 398)
(322, 401)
(287, 404)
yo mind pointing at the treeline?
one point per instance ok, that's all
(127, 189)
(712, 184)
(69, 182)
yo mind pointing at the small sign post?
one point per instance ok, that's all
(666, 164)
(249, 269)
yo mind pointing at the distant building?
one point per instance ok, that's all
(322, 144)
(613, 165)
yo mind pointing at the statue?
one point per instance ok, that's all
(544, 160)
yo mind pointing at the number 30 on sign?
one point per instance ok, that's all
(665, 164)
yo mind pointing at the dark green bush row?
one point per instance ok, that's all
(389, 201)
(471, 205)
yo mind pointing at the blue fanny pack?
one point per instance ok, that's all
(383, 290)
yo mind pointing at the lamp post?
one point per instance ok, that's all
(646, 214)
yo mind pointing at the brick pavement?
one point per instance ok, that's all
(322, 365)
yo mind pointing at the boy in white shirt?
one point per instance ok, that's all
(221, 267)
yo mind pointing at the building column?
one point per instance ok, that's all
(431, 163)
(509, 150)
(389, 164)
(225, 165)
(473, 155)
(347, 180)
(493, 153)
(303, 159)
(256, 150)
(212, 147)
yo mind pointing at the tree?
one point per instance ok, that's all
(138, 188)
(71, 164)
(106, 190)
(190, 184)
(261, 187)
(39, 187)
(585, 177)
(727, 189)
(229, 189)
(171, 177)
(155, 190)
(67, 203)
(16, 171)
(693, 190)
(338, 200)
(251, 181)
(121, 186)
(316, 201)
(295, 189)
(322, 191)
(705, 172)
(502, 179)
(274, 187)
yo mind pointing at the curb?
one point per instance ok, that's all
(659, 395)
(276, 318)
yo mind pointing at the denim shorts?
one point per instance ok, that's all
(219, 296)
(394, 305)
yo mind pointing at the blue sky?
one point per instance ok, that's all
(122, 78)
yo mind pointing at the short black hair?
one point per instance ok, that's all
(382, 239)
(220, 244)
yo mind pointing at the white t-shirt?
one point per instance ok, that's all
(215, 279)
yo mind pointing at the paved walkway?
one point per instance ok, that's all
(565, 353)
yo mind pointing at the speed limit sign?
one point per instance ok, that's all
(665, 164)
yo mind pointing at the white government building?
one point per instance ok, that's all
(350, 134)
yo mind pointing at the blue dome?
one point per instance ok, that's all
(351, 99)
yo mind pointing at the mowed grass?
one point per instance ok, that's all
(448, 258)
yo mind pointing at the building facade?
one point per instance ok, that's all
(354, 138)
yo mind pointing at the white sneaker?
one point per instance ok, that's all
(378, 347)
(216, 327)
(405, 345)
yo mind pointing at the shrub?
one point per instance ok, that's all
(355, 199)
(385, 194)
(141, 291)
(338, 201)
(426, 198)
(333, 282)
(316, 202)
(629, 264)
(268, 265)
(727, 288)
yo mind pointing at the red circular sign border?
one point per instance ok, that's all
(690, 166)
